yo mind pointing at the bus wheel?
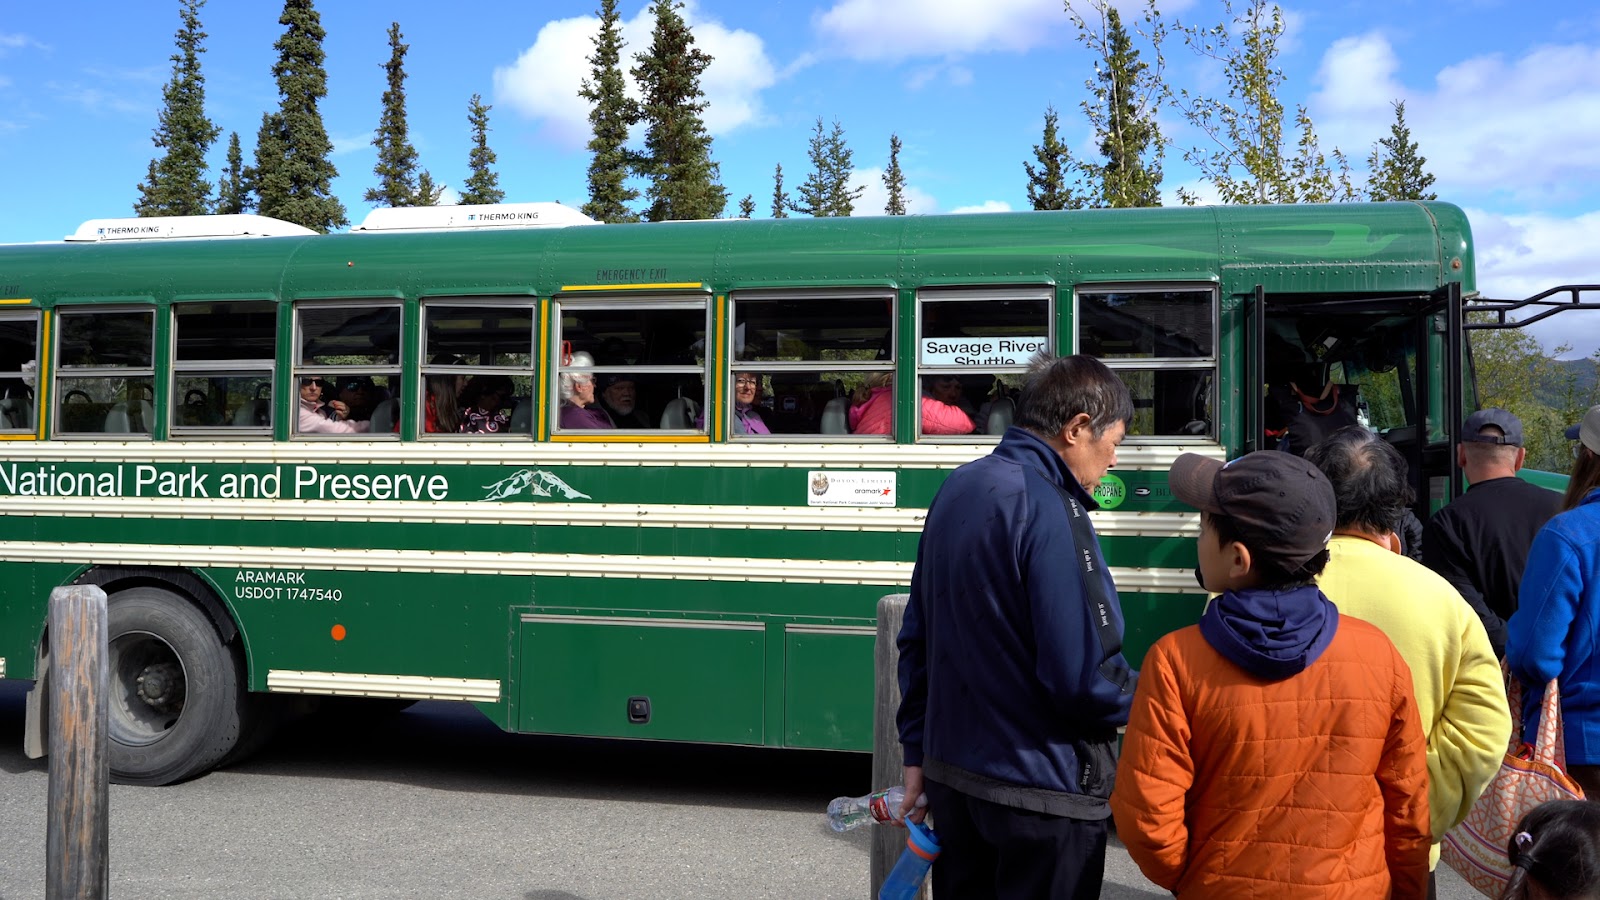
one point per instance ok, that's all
(176, 695)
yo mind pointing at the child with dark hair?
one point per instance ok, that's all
(1273, 749)
(482, 402)
(1555, 853)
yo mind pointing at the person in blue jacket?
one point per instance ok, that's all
(1556, 628)
(1011, 672)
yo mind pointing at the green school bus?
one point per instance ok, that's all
(617, 480)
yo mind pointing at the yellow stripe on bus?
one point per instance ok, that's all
(16, 301)
(635, 438)
(660, 286)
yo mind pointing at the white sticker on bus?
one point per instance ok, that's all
(965, 351)
(850, 488)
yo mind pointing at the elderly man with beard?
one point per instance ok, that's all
(621, 401)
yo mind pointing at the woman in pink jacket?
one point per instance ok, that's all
(873, 410)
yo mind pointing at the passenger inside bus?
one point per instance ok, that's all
(331, 417)
(483, 404)
(361, 395)
(872, 405)
(746, 410)
(619, 397)
(442, 414)
(944, 409)
(578, 406)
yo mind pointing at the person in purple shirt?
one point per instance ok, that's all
(746, 416)
(578, 406)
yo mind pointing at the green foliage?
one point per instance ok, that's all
(1396, 171)
(780, 197)
(1126, 94)
(894, 180)
(1247, 162)
(233, 192)
(747, 206)
(684, 181)
(176, 183)
(1512, 371)
(483, 185)
(826, 191)
(1047, 185)
(399, 183)
(293, 176)
(611, 114)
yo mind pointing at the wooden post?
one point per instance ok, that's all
(76, 861)
(887, 763)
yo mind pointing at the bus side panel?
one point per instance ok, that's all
(822, 666)
(24, 606)
(631, 677)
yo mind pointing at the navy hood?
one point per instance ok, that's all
(1271, 634)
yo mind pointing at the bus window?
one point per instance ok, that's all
(105, 377)
(347, 368)
(19, 354)
(973, 349)
(1162, 342)
(816, 354)
(477, 354)
(658, 346)
(222, 365)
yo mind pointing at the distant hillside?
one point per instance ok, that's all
(1583, 377)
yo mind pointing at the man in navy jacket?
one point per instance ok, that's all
(1011, 670)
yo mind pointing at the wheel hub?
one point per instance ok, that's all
(161, 686)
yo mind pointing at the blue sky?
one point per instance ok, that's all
(1503, 97)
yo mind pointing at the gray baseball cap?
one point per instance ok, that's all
(1510, 428)
(1588, 430)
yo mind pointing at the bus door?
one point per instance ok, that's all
(1379, 362)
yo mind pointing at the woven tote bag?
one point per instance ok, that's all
(1528, 776)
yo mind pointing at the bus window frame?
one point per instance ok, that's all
(764, 369)
(426, 368)
(298, 368)
(556, 340)
(37, 316)
(62, 372)
(1210, 363)
(970, 294)
(267, 367)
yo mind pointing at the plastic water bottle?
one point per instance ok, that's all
(905, 879)
(845, 813)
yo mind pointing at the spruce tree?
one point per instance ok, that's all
(398, 179)
(1396, 171)
(780, 197)
(611, 114)
(1125, 97)
(1047, 185)
(293, 175)
(894, 180)
(684, 181)
(176, 183)
(483, 185)
(826, 191)
(233, 191)
(747, 207)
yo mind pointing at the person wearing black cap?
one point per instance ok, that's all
(1555, 632)
(1480, 542)
(1274, 749)
(621, 401)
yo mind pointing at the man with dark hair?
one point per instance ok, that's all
(1480, 542)
(1459, 689)
(1011, 668)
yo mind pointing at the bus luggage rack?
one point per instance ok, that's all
(1546, 303)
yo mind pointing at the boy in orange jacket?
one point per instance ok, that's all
(1273, 749)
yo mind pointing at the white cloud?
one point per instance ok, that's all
(873, 200)
(987, 206)
(902, 29)
(346, 144)
(9, 42)
(1481, 123)
(1521, 255)
(544, 81)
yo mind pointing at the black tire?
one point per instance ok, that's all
(176, 690)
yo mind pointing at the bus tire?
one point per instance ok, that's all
(177, 693)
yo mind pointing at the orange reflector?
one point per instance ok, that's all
(338, 632)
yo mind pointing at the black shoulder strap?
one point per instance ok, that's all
(1112, 666)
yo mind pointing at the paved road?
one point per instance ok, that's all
(437, 803)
